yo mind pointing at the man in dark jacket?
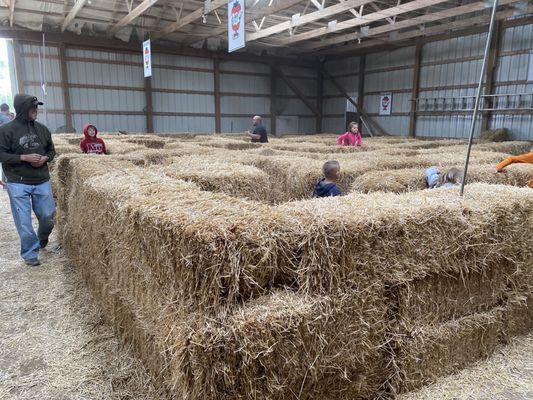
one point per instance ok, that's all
(259, 135)
(26, 148)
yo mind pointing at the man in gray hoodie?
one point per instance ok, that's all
(26, 148)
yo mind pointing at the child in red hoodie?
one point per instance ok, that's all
(92, 144)
(352, 137)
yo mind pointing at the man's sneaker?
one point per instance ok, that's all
(34, 262)
(43, 243)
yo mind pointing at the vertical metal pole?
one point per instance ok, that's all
(478, 94)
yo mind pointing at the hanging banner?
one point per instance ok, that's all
(236, 25)
(385, 104)
(147, 57)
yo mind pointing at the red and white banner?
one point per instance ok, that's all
(236, 25)
(147, 59)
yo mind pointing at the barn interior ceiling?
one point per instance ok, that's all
(297, 27)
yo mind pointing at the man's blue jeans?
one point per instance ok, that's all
(23, 198)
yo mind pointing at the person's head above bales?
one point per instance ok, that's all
(257, 120)
(327, 187)
(450, 179)
(331, 170)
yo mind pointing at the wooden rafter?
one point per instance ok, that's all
(11, 12)
(464, 23)
(72, 14)
(305, 19)
(354, 22)
(452, 12)
(136, 12)
(186, 20)
(254, 16)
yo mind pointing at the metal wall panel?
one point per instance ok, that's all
(106, 100)
(116, 56)
(244, 84)
(390, 80)
(245, 67)
(245, 105)
(343, 66)
(184, 124)
(181, 80)
(241, 124)
(459, 47)
(182, 103)
(307, 125)
(459, 73)
(86, 72)
(514, 68)
(110, 123)
(333, 125)
(450, 126)
(517, 38)
(181, 61)
(398, 58)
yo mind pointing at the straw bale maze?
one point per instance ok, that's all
(208, 256)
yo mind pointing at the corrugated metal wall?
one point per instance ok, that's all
(182, 94)
(346, 72)
(514, 74)
(33, 64)
(107, 88)
(390, 72)
(245, 92)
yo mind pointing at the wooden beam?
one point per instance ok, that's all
(11, 12)
(136, 12)
(19, 73)
(65, 88)
(423, 19)
(305, 19)
(252, 16)
(149, 105)
(361, 87)
(216, 78)
(319, 99)
(415, 89)
(186, 20)
(72, 14)
(273, 101)
(359, 109)
(490, 72)
(364, 20)
(468, 24)
(298, 92)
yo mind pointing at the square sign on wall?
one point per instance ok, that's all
(236, 25)
(385, 104)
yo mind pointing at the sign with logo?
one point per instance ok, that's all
(385, 104)
(236, 25)
(147, 59)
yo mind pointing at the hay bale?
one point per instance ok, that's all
(495, 135)
(149, 142)
(429, 352)
(440, 298)
(122, 147)
(232, 178)
(66, 149)
(513, 148)
(340, 240)
(410, 179)
(310, 347)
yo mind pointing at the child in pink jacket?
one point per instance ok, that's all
(352, 137)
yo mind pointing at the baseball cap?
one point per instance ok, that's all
(35, 102)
